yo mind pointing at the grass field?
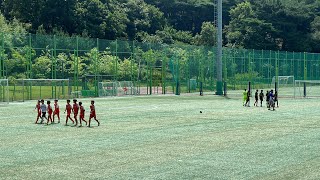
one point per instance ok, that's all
(165, 137)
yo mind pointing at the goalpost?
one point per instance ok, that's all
(307, 88)
(285, 85)
(4, 91)
(116, 88)
(30, 89)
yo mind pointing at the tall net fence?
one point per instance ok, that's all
(152, 68)
(4, 91)
(30, 89)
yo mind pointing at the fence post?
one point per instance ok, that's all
(305, 66)
(1, 57)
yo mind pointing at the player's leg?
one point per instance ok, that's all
(58, 115)
(95, 118)
(71, 119)
(89, 121)
(84, 121)
(48, 119)
(75, 119)
(67, 118)
(42, 118)
(273, 105)
(37, 119)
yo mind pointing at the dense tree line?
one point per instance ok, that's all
(290, 25)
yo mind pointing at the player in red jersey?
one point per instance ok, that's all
(49, 112)
(75, 109)
(82, 114)
(68, 109)
(38, 110)
(93, 113)
(56, 110)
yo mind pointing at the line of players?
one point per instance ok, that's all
(42, 110)
(271, 98)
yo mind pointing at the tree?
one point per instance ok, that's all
(315, 33)
(143, 17)
(291, 19)
(49, 13)
(99, 19)
(207, 36)
(247, 31)
(41, 68)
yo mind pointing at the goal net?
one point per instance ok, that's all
(116, 88)
(285, 85)
(31, 89)
(4, 91)
(307, 88)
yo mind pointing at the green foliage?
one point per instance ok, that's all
(247, 31)
(289, 25)
(42, 67)
(245, 77)
(207, 36)
(128, 70)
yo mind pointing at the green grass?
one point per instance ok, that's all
(165, 137)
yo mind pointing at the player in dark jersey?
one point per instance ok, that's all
(271, 100)
(256, 97)
(267, 98)
(248, 99)
(261, 95)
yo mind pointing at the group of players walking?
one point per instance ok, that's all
(271, 98)
(42, 110)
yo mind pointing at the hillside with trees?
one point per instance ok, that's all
(286, 25)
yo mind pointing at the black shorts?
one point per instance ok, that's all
(43, 114)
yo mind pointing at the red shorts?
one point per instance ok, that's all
(82, 116)
(56, 112)
(75, 114)
(92, 115)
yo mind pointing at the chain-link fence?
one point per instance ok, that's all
(151, 68)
